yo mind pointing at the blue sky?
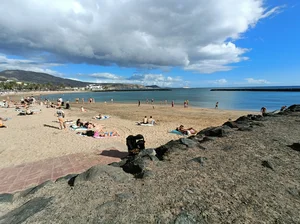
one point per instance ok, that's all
(166, 43)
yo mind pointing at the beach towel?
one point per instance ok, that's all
(103, 117)
(74, 127)
(176, 132)
(142, 124)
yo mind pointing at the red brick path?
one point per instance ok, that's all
(27, 175)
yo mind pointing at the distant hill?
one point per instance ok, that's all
(38, 77)
(44, 78)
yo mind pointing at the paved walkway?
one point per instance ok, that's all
(27, 175)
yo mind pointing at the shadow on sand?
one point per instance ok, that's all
(50, 126)
(113, 153)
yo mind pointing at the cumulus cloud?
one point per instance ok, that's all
(196, 35)
(142, 79)
(257, 81)
(27, 65)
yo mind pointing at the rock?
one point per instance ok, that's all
(6, 198)
(294, 192)
(124, 196)
(206, 139)
(170, 147)
(215, 131)
(267, 164)
(293, 108)
(245, 129)
(95, 172)
(295, 146)
(231, 124)
(185, 218)
(22, 213)
(189, 143)
(199, 160)
(227, 148)
(32, 190)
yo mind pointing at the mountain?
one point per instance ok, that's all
(40, 78)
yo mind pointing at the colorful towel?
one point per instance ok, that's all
(78, 128)
(176, 132)
(103, 117)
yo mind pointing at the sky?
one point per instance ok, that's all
(169, 43)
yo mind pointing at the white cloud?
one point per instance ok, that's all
(257, 81)
(27, 65)
(153, 34)
(221, 81)
(142, 79)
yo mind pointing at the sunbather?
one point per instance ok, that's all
(186, 131)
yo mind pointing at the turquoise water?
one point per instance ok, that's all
(198, 97)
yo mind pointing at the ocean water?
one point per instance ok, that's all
(198, 97)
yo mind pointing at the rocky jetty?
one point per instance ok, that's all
(245, 171)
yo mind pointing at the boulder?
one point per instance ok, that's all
(215, 131)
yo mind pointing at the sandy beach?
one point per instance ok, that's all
(37, 137)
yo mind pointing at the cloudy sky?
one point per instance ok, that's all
(170, 43)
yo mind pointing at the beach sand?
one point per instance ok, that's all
(27, 139)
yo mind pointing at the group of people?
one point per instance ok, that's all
(147, 121)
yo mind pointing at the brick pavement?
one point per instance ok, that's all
(24, 176)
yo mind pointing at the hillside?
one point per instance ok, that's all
(245, 171)
(40, 78)
(43, 78)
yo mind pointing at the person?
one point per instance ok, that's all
(217, 105)
(263, 111)
(98, 117)
(112, 100)
(79, 123)
(28, 111)
(68, 105)
(60, 115)
(172, 103)
(151, 120)
(77, 100)
(139, 103)
(282, 108)
(185, 104)
(82, 109)
(186, 131)
(145, 120)
(89, 125)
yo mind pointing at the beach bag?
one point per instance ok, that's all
(90, 133)
(135, 144)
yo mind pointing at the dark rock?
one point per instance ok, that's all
(231, 124)
(124, 196)
(294, 192)
(64, 178)
(185, 218)
(189, 143)
(215, 131)
(206, 139)
(119, 164)
(245, 129)
(6, 198)
(295, 146)
(170, 147)
(95, 172)
(267, 164)
(227, 148)
(293, 108)
(22, 213)
(32, 190)
(198, 160)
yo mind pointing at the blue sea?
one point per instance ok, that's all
(197, 97)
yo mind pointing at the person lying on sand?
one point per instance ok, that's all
(98, 117)
(101, 133)
(186, 131)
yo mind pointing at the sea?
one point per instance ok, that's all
(197, 97)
